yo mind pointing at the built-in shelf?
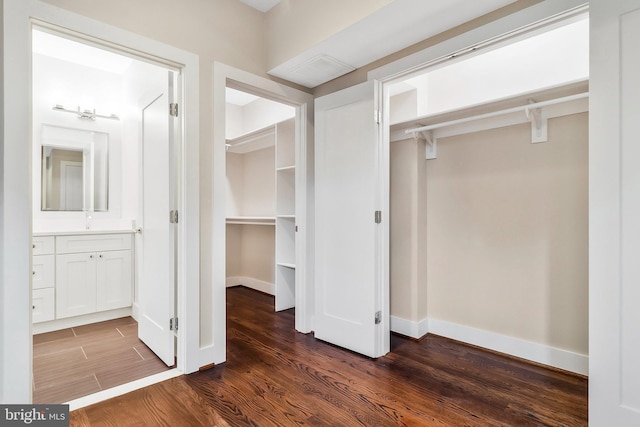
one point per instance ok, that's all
(251, 141)
(286, 216)
(286, 169)
(252, 220)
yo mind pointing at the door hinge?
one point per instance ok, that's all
(173, 109)
(173, 217)
(378, 317)
(173, 324)
(377, 116)
(378, 217)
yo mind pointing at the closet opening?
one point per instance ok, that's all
(262, 180)
(104, 282)
(488, 195)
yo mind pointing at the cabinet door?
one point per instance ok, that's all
(113, 280)
(42, 305)
(43, 271)
(75, 284)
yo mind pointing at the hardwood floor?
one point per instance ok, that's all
(275, 376)
(75, 362)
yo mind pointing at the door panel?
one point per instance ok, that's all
(347, 194)
(614, 214)
(157, 282)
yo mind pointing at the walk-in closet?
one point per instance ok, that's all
(261, 196)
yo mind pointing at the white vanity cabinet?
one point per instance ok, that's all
(43, 279)
(93, 273)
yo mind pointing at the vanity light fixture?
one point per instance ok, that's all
(85, 114)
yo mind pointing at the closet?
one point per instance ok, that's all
(489, 198)
(261, 196)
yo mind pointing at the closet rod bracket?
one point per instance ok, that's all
(431, 143)
(538, 123)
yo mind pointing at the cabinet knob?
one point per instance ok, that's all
(100, 255)
(91, 256)
(33, 272)
(33, 245)
(33, 307)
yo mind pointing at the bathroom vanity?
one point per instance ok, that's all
(81, 278)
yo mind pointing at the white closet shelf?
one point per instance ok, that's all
(286, 216)
(286, 264)
(252, 220)
(251, 141)
(286, 169)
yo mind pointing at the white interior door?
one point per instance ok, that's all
(614, 214)
(349, 242)
(71, 189)
(157, 283)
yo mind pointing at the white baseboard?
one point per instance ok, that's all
(72, 322)
(535, 352)
(258, 285)
(409, 328)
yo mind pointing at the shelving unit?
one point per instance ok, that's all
(261, 174)
(285, 215)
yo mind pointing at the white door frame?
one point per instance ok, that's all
(16, 182)
(303, 102)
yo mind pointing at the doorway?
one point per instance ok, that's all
(112, 255)
(261, 193)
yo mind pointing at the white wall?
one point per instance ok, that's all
(543, 61)
(255, 115)
(546, 60)
(72, 85)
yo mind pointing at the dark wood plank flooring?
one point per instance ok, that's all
(75, 362)
(275, 376)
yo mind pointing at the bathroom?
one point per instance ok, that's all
(103, 142)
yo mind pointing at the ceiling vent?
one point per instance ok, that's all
(317, 70)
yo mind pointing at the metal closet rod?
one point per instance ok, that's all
(525, 108)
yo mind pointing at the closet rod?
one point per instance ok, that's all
(527, 107)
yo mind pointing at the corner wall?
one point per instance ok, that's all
(408, 237)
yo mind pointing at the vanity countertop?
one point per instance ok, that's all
(81, 232)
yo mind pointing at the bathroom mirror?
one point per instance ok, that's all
(75, 173)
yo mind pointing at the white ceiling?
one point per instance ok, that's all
(400, 24)
(261, 5)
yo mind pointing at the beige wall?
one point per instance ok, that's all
(507, 232)
(408, 238)
(251, 252)
(294, 26)
(251, 192)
